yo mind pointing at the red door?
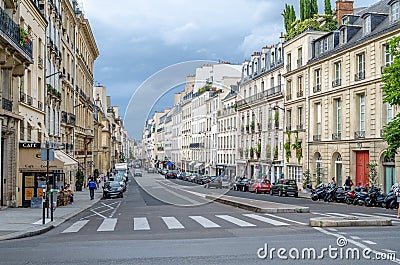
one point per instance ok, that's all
(362, 159)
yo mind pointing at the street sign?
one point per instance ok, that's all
(44, 154)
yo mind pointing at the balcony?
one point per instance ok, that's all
(7, 104)
(72, 119)
(14, 32)
(288, 96)
(22, 97)
(40, 61)
(317, 88)
(337, 82)
(196, 145)
(317, 138)
(359, 135)
(337, 136)
(277, 90)
(40, 105)
(29, 100)
(299, 127)
(276, 124)
(288, 128)
(359, 76)
(300, 94)
(64, 117)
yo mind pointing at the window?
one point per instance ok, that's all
(338, 117)
(295, 173)
(325, 44)
(394, 8)
(318, 122)
(317, 80)
(389, 113)
(367, 25)
(289, 120)
(289, 89)
(360, 71)
(289, 62)
(29, 133)
(337, 74)
(362, 113)
(21, 130)
(262, 86)
(300, 57)
(272, 82)
(300, 86)
(300, 118)
(388, 58)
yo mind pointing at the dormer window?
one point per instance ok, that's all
(367, 25)
(394, 9)
(343, 36)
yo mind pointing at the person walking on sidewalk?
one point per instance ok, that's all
(348, 183)
(92, 186)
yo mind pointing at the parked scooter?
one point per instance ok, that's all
(390, 201)
(319, 192)
(350, 197)
(335, 194)
(375, 198)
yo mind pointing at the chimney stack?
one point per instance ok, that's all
(343, 7)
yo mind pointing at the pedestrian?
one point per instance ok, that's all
(92, 186)
(333, 183)
(348, 183)
(396, 190)
(98, 181)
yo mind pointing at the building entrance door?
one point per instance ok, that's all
(362, 159)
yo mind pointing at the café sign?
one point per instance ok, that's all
(30, 145)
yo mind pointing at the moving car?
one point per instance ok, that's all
(137, 173)
(243, 185)
(171, 174)
(285, 187)
(261, 186)
(214, 182)
(112, 189)
(150, 170)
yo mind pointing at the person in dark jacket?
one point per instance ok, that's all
(92, 186)
(348, 183)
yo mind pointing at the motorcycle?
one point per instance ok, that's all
(375, 198)
(350, 197)
(390, 201)
(319, 192)
(335, 194)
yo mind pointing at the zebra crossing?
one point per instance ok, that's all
(178, 223)
(393, 217)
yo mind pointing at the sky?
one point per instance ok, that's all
(138, 39)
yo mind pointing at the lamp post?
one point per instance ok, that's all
(276, 107)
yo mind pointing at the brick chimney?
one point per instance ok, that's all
(343, 7)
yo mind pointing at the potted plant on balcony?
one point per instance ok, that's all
(79, 180)
(276, 118)
(24, 37)
(258, 150)
(306, 178)
(252, 125)
(268, 150)
(247, 128)
(276, 152)
(251, 152)
(286, 146)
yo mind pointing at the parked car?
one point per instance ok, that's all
(121, 180)
(243, 185)
(137, 173)
(285, 187)
(187, 176)
(171, 174)
(112, 189)
(261, 186)
(203, 180)
(214, 182)
(150, 170)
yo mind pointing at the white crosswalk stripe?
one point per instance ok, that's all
(235, 221)
(172, 223)
(204, 222)
(322, 214)
(140, 223)
(285, 219)
(108, 224)
(75, 227)
(266, 219)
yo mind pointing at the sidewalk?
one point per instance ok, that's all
(25, 222)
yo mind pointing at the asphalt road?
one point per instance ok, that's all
(141, 229)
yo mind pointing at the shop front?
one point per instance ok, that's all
(33, 172)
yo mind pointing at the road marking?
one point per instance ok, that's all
(140, 223)
(363, 214)
(394, 220)
(266, 219)
(47, 220)
(108, 224)
(390, 215)
(355, 237)
(75, 227)
(332, 229)
(322, 214)
(285, 219)
(369, 242)
(340, 214)
(235, 221)
(204, 221)
(172, 223)
(109, 206)
(116, 208)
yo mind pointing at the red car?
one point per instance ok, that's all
(261, 186)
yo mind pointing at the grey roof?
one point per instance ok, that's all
(232, 93)
(380, 24)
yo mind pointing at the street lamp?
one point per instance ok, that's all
(61, 75)
(276, 107)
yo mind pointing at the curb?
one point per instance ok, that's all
(349, 221)
(258, 209)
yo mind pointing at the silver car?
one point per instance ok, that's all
(215, 182)
(137, 173)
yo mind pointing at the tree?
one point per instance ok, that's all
(391, 95)
(289, 16)
(302, 7)
(306, 178)
(328, 7)
(372, 174)
(313, 8)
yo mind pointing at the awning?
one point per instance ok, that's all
(30, 160)
(69, 162)
(198, 165)
(170, 163)
(192, 163)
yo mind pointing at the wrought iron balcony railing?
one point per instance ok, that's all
(7, 104)
(317, 138)
(359, 76)
(337, 82)
(359, 134)
(337, 136)
(317, 88)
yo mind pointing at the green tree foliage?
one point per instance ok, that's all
(372, 174)
(302, 8)
(317, 22)
(328, 7)
(391, 95)
(289, 16)
(313, 8)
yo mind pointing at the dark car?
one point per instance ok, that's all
(285, 187)
(112, 189)
(203, 180)
(171, 174)
(243, 185)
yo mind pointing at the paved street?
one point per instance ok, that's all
(140, 229)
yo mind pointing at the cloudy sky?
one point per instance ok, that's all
(137, 39)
